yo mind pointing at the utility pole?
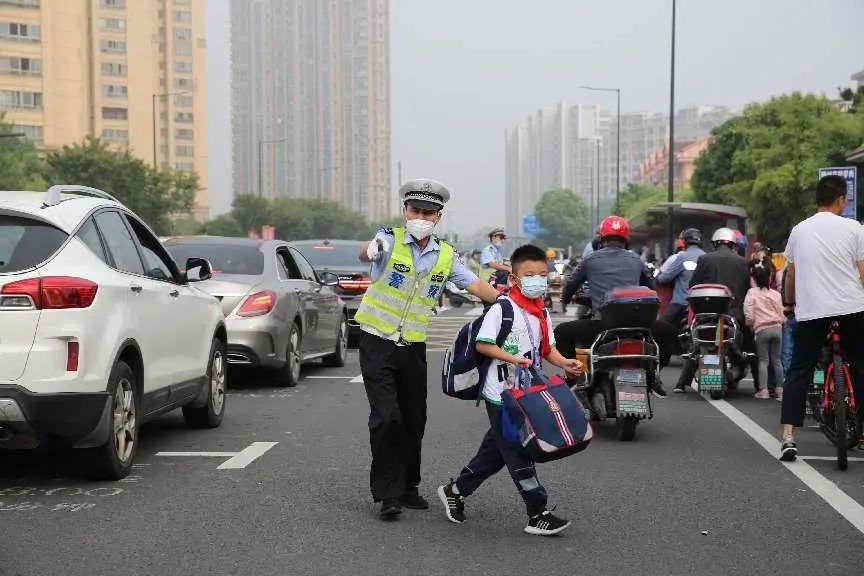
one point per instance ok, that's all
(670, 191)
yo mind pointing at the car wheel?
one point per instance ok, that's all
(289, 374)
(113, 460)
(210, 414)
(340, 354)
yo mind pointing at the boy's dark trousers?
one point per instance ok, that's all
(494, 453)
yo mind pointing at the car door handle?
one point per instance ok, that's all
(137, 288)
(174, 293)
(298, 291)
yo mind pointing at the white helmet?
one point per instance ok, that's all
(722, 235)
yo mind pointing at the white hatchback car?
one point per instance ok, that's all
(99, 330)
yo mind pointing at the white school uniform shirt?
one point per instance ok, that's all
(502, 374)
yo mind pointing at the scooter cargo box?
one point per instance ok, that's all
(710, 299)
(631, 307)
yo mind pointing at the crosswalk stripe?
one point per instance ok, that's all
(474, 311)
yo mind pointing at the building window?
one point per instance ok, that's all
(184, 134)
(35, 3)
(114, 135)
(114, 69)
(112, 3)
(21, 32)
(182, 16)
(32, 133)
(115, 91)
(184, 117)
(181, 33)
(183, 83)
(115, 113)
(20, 66)
(113, 46)
(183, 101)
(184, 150)
(182, 49)
(182, 2)
(20, 99)
(185, 166)
(112, 23)
(183, 67)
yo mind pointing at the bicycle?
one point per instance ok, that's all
(832, 388)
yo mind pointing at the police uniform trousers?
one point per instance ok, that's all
(395, 381)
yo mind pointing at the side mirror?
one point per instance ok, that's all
(329, 279)
(198, 270)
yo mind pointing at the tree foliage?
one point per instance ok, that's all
(564, 215)
(767, 159)
(20, 165)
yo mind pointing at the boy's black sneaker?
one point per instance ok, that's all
(454, 504)
(414, 501)
(390, 509)
(546, 524)
(788, 450)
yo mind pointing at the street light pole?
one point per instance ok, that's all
(670, 191)
(617, 142)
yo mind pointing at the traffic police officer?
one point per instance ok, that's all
(492, 257)
(409, 269)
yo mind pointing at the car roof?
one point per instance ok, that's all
(327, 242)
(66, 215)
(222, 241)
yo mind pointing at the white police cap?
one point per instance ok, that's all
(424, 193)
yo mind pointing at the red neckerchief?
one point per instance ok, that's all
(535, 307)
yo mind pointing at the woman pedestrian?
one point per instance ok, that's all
(763, 311)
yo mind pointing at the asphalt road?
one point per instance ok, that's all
(694, 494)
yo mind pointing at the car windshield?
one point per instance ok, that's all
(224, 258)
(25, 242)
(331, 256)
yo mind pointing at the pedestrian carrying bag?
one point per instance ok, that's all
(464, 371)
(551, 421)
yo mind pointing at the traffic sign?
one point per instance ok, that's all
(531, 226)
(850, 174)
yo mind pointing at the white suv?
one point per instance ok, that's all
(99, 329)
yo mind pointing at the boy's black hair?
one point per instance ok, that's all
(829, 189)
(526, 253)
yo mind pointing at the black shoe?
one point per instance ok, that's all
(390, 509)
(546, 524)
(414, 501)
(788, 450)
(680, 389)
(454, 504)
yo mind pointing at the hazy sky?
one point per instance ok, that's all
(462, 71)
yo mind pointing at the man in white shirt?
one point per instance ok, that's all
(824, 281)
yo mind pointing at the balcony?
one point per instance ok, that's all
(21, 3)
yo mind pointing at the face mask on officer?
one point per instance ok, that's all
(420, 223)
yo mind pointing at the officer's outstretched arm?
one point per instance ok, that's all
(483, 290)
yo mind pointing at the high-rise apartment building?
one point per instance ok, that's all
(131, 72)
(311, 101)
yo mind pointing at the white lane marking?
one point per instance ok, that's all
(357, 379)
(205, 454)
(847, 507)
(329, 377)
(474, 312)
(830, 458)
(247, 456)
(443, 309)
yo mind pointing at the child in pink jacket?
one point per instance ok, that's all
(763, 310)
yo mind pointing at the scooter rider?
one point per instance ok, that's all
(612, 266)
(723, 266)
(679, 272)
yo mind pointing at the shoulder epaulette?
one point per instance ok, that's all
(386, 230)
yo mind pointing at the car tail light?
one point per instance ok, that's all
(72, 356)
(49, 293)
(356, 283)
(258, 304)
(626, 347)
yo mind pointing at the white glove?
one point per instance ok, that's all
(376, 249)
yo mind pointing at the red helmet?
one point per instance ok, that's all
(614, 226)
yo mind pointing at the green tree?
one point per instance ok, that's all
(155, 195)
(251, 212)
(564, 215)
(20, 165)
(767, 160)
(223, 225)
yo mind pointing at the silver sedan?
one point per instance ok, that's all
(278, 311)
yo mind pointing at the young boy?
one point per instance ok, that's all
(531, 339)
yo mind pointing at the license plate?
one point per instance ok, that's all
(632, 402)
(631, 377)
(819, 377)
(711, 360)
(710, 379)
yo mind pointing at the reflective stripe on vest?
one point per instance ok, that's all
(399, 304)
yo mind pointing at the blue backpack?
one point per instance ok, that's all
(464, 370)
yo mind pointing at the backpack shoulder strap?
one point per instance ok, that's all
(506, 321)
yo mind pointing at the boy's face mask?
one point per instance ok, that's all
(533, 286)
